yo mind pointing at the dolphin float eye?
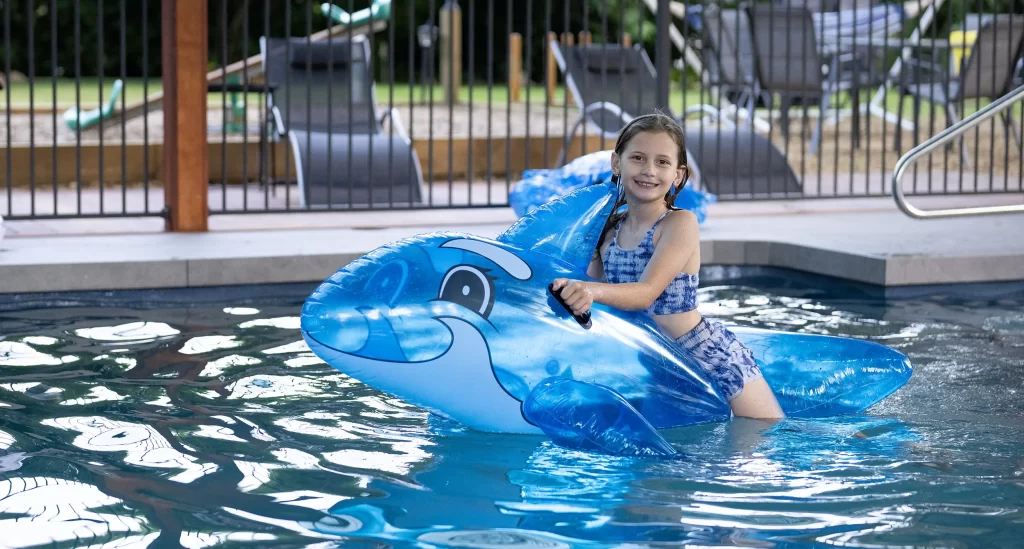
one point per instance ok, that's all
(470, 287)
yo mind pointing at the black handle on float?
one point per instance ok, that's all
(583, 319)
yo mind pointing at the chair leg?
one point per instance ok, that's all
(816, 138)
(566, 142)
(745, 101)
(898, 138)
(855, 96)
(753, 94)
(953, 116)
(784, 115)
(1011, 127)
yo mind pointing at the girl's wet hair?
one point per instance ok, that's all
(656, 122)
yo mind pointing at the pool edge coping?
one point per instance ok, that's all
(887, 271)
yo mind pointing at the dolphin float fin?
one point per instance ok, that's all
(584, 416)
(567, 227)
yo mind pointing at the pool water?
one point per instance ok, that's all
(200, 419)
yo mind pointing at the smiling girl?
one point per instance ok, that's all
(648, 259)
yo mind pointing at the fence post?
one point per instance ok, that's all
(451, 50)
(567, 41)
(552, 67)
(515, 65)
(663, 53)
(186, 166)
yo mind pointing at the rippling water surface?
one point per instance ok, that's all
(202, 420)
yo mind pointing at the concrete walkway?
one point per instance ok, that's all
(866, 240)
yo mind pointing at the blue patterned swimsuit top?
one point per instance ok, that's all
(627, 265)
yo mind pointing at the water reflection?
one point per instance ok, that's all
(207, 344)
(267, 386)
(52, 510)
(142, 445)
(220, 366)
(136, 332)
(96, 394)
(13, 353)
(199, 540)
(284, 323)
(6, 440)
(245, 311)
(214, 425)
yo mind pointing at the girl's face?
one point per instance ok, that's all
(648, 167)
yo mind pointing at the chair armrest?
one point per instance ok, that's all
(281, 131)
(396, 122)
(710, 110)
(926, 65)
(610, 107)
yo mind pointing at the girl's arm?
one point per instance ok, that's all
(679, 239)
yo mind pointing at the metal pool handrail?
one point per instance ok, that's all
(934, 142)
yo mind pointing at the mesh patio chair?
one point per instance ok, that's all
(727, 52)
(987, 72)
(322, 99)
(789, 64)
(612, 84)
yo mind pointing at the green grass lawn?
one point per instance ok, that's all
(91, 94)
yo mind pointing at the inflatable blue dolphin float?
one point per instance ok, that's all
(467, 328)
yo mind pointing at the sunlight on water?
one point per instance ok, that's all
(212, 424)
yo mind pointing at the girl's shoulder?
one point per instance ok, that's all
(680, 224)
(680, 220)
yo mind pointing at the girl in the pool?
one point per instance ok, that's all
(648, 258)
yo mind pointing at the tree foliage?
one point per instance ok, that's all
(115, 37)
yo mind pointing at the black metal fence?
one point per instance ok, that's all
(445, 104)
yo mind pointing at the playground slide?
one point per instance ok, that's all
(366, 21)
(82, 120)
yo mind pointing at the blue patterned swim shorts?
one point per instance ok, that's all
(727, 361)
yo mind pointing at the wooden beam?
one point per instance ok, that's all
(185, 176)
(235, 171)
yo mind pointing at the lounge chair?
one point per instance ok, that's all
(790, 65)
(612, 84)
(322, 99)
(986, 72)
(694, 15)
(727, 52)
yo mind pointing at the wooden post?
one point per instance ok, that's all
(586, 38)
(552, 68)
(515, 65)
(185, 177)
(451, 50)
(627, 40)
(568, 41)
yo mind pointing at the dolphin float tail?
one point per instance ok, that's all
(584, 416)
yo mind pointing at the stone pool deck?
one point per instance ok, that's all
(865, 240)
